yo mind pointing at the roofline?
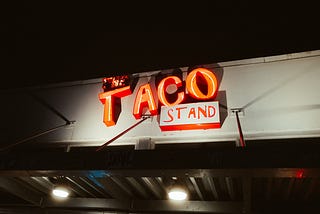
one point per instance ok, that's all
(233, 63)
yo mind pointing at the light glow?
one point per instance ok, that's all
(163, 86)
(177, 195)
(107, 98)
(200, 84)
(210, 80)
(60, 192)
(300, 174)
(144, 98)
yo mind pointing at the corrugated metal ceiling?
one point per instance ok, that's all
(125, 190)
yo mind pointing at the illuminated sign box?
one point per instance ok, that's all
(203, 115)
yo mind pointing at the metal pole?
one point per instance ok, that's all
(242, 142)
(120, 134)
(34, 136)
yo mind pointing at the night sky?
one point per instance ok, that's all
(54, 41)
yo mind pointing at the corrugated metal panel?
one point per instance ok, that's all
(219, 189)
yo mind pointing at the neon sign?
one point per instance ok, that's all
(200, 84)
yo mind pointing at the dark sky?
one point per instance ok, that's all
(51, 41)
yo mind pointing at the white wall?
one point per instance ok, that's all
(279, 94)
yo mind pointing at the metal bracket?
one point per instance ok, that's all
(240, 112)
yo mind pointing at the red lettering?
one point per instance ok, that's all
(144, 98)
(169, 115)
(213, 112)
(192, 112)
(178, 109)
(202, 111)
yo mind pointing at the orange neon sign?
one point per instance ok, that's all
(211, 83)
(200, 84)
(144, 99)
(162, 90)
(107, 98)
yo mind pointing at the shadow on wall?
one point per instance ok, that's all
(221, 95)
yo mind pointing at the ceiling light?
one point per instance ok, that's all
(60, 192)
(177, 194)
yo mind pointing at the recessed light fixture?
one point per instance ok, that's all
(177, 194)
(60, 192)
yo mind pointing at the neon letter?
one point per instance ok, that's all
(107, 99)
(144, 98)
(162, 90)
(211, 81)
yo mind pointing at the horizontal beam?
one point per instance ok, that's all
(187, 206)
(87, 203)
(20, 210)
(145, 205)
(254, 172)
(33, 210)
(287, 206)
(20, 191)
(259, 207)
(255, 157)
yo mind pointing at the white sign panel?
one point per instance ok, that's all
(202, 115)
